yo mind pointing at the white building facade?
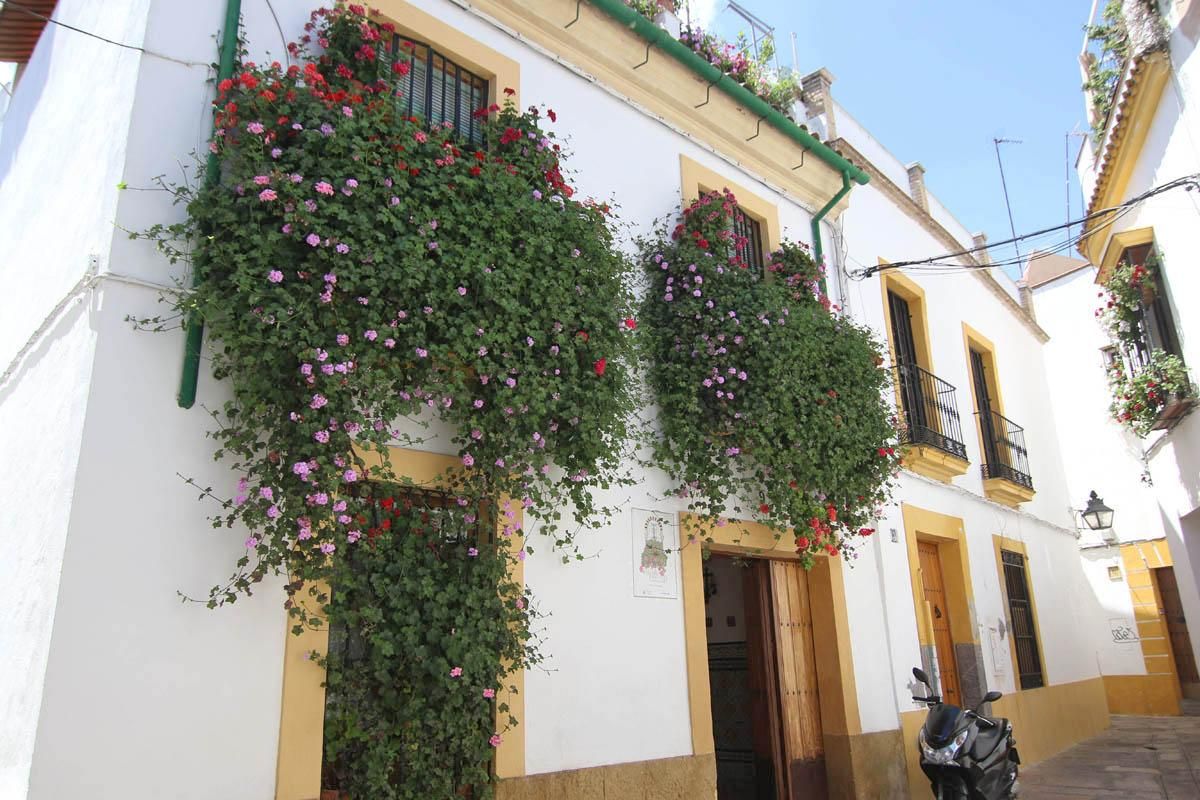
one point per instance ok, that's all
(1144, 571)
(112, 688)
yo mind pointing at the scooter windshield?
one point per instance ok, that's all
(942, 723)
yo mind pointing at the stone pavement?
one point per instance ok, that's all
(1138, 758)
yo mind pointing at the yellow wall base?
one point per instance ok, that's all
(1150, 695)
(684, 778)
(1045, 722)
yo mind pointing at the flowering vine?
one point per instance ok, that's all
(367, 280)
(1142, 379)
(772, 403)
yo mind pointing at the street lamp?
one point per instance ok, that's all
(1098, 516)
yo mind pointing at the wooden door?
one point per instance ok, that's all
(800, 705)
(764, 684)
(935, 597)
(1181, 642)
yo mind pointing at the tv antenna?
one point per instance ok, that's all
(1004, 184)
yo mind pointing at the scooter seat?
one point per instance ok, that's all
(989, 737)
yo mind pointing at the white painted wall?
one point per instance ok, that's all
(61, 150)
(144, 694)
(1099, 453)
(1171, 150)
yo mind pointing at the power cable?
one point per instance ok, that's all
(1189, 181)
(31, 12)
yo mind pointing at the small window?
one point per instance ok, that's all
(440, 90)
(748, 242)
(1109, 357)
(1157, 324)
(1021, 627)
(1114, 573)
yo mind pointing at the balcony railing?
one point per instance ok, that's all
(930, 411)
(1004, 453)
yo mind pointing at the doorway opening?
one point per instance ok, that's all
(763, 680)
(933, 585)
(1177, 631)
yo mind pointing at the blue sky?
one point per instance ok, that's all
(936, 81)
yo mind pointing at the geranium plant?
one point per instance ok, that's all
(772, 404)
(1139, 397)
(779, 88)
(1122, 300)
(368, 279)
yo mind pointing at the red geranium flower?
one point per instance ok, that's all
(631, 323)
(764, 508)
(550, 113)
(600, 366)
(509, 91)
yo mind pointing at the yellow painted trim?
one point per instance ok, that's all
(302, 714)
(1013, 546)
(1006, 492)
(501, 71)
(834, 660)
(931, 462)
(606, 51)
(910, 291)
(298, 765)
(695, 635)
(973, 339)
(950, 537)
(1152, 77)
(1000, 490)
(695, 179)
(1118, 243)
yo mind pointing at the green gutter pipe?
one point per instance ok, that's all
(212, 176)
(818, 250)
(657, 37)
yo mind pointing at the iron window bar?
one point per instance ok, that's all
(1023, 631)
(747, 233)
(439, 90)
(1004, 452)
(930, 410)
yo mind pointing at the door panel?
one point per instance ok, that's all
(803, 742)
(935, 596)
(1181, 642)
(770, 782)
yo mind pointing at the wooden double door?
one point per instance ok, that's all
(782, 702)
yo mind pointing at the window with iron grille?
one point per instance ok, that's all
(439, 90)
(1021, 627)
(749, 236)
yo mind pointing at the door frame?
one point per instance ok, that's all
(949, 535)
(831, 629)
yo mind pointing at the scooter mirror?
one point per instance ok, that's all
(992, 697)
(920, 675)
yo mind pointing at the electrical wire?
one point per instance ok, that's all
(31, 12)
(935, 263)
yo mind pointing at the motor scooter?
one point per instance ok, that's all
(966, 755)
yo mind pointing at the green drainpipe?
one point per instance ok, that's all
(672, 47)
(818, 250)
(212, 175)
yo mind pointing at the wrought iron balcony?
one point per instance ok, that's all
(930, 411)
(1004, 452)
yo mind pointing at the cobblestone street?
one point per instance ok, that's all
(1138, 758)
